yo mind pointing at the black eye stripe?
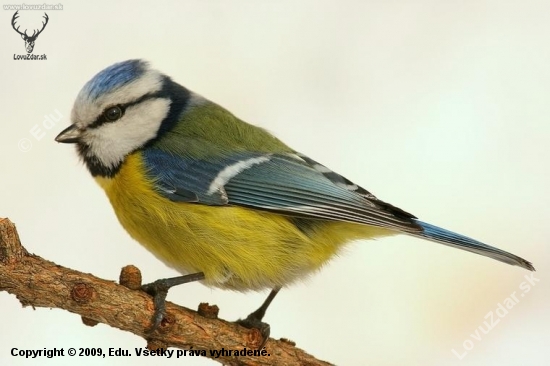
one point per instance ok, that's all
(102, 120)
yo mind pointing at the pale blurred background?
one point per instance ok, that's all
(439, 107)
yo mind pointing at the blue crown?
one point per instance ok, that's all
(113, 77)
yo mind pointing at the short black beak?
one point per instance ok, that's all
(70, 135)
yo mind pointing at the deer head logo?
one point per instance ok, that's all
(29, 40)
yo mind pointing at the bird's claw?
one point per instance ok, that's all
(252, 322)
(159, 291)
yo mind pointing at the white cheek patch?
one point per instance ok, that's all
(85, 111)
(111, 142)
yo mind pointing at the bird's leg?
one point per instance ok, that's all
(159, 291)
(254, 320)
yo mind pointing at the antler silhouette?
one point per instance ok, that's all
(29, 40)
(13, 19)
(43, 26)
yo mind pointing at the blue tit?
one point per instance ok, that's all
(221, 200)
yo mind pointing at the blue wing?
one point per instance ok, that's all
(290, 184)
(294, 185)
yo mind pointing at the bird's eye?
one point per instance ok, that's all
(113, 113)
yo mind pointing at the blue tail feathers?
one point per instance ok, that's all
(439, 235)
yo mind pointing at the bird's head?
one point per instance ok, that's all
(120, 110)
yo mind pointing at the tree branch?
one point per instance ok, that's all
(40, 283)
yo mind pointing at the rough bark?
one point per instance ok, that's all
(37, 282)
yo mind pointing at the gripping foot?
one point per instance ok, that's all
(159, 291)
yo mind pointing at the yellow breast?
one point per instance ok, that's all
(235, 247)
